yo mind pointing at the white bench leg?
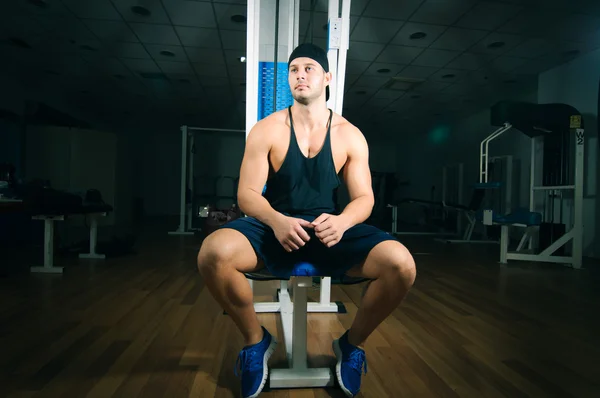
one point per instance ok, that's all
(48, 266)
(93, 239)
(293, 318)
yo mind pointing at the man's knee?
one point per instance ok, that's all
(214, 252)
(402, 265)
(226, 248)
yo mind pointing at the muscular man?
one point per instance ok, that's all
(299, 153)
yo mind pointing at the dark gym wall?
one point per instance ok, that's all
(10, 140)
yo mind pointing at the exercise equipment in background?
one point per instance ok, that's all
(496, 194)
(384, 185)
(214, 199)
(433, 215)
(186, 207)
(557, 169)
(39, 201)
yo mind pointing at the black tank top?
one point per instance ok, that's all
(305, 186)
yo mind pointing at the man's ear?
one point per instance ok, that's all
(328, 77)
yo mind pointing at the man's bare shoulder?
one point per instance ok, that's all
(267, 128)
(348, 131)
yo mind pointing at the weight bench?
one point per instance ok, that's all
(294, 325)
(522, 218)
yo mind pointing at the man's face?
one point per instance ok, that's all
(307, 80)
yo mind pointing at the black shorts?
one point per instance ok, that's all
(352, 250)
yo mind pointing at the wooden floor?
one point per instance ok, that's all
(145, 326)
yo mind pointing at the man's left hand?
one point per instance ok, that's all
(329, 228)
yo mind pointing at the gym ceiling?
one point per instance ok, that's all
(170, 62)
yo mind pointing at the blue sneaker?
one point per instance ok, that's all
(350, 363)
(252, 362)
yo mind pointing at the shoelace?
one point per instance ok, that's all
(247, 361)
(357, 360)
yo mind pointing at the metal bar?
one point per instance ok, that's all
(252, 59)
(484, 150)
(299, 355)
(554, 188)
(332, 55)
(215, 129)
(325, 297)
(578, 206)
(184, 141)
(275, 56)
(190, 182)
(509, 183)
(342, 56)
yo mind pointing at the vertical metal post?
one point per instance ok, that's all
(509, 183)
(325, 297)
(181, 230)
(459, 220)
(578, 219)
(252, 55)
(299, 356)
(190, 181)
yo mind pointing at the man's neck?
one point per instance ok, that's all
(310, 117)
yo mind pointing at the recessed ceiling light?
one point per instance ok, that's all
(238, 18)
(384, 70)
(449, 76)
(418, 35)
(496, 44)
(242, 59)
(39, 3)
(142, 11)
(19, 42)
(167, 53)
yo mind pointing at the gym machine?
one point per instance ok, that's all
(557, 132)
(187, 177)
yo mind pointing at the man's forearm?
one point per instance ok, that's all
(358, 210)
(255, 205)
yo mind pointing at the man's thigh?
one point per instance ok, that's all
(239, 241)
(360, 251)
(381, 258)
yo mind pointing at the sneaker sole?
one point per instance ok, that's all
(266, 357)
(338, 367)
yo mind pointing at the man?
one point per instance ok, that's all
(298, 153)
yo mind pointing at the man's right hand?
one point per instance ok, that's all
(290, 232)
